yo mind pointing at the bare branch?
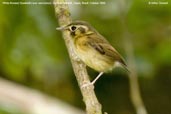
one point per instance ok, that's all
(135, 93)
(89, 97)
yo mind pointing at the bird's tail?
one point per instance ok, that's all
(119, 64)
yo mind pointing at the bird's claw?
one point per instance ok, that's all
(87, 85)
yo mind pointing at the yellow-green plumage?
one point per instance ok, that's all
(96, 52)
(92, 48)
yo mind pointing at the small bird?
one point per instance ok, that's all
(92, 48)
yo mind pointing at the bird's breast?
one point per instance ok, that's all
(91, 57)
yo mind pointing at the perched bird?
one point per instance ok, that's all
(92, 48)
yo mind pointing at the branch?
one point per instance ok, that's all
(29, 101)
(89, 97)
(135, 93)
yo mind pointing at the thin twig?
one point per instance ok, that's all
(135, 93)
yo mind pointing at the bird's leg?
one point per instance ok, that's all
(94, 81)
(99, 75)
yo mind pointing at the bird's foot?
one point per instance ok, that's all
(87, 85)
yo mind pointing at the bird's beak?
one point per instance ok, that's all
(61, 28)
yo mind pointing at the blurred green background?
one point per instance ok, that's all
(33, 53)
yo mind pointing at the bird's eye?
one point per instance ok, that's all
(73, 28)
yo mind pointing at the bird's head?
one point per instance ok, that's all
(78, 28)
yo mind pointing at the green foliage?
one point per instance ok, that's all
(33, 53)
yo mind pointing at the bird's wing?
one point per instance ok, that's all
(102, 46)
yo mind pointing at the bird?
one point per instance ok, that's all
(93, 49)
